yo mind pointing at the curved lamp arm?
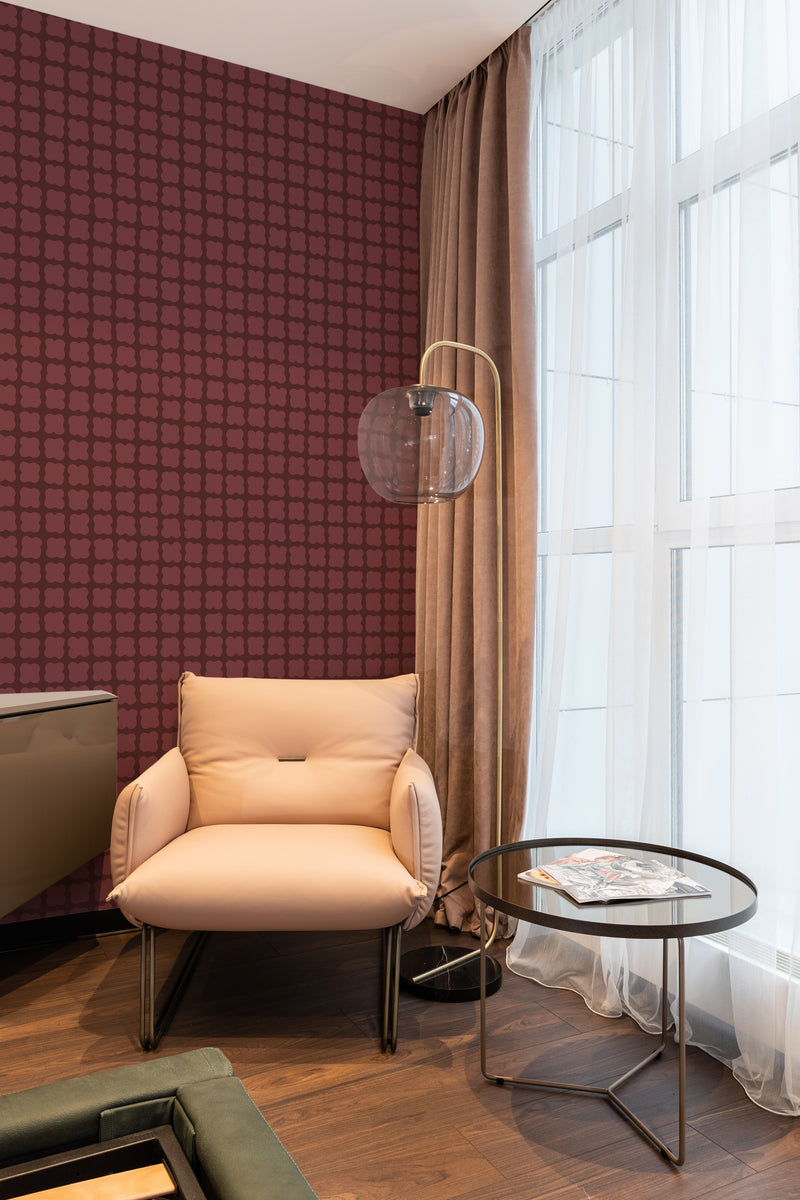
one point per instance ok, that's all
(499, 602)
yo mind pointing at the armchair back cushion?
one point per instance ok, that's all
(268, 751)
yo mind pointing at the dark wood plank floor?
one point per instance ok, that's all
(297, 1017)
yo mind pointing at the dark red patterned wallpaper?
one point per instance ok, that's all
(205, 271)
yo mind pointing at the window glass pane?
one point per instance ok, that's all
(787, 621)
(579, 763)
(784, 813)
(784, 380)
(764, 801)
(706, 103)
(601, 305)
(741, 397)
(585, 682)
(594, 483)
(579, 775)
(590, 740)
(735, 611)
(545, 341)
(706, 608)
(577, 412)
(585, 120)
(707, 778)
(713, 103)
(701, 605)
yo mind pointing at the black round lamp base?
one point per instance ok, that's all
(454, 985)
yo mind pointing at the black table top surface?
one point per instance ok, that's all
(733, 899)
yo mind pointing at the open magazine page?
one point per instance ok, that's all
(540, 875)
(598, 877)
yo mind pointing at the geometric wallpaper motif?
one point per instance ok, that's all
(205, 272)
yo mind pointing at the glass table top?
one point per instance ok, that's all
(733, 899)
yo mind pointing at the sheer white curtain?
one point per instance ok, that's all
(668, 621)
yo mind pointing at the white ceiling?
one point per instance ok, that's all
(406, 53)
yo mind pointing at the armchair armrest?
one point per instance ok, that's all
(149, 813)
(416, 828)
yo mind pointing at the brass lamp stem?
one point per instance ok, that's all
(499, 602)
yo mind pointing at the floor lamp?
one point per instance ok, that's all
(423, 444)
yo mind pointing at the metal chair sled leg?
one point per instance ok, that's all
(390, 986)
(151, 1025)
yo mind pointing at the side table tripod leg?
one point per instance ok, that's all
(664, 992)
(610, 1092)
(681, 1056)
(482, 911)
(620, 1105)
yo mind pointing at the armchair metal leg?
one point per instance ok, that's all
(152, 1027)
(390, 986)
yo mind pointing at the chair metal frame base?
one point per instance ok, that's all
(152, 1025)
(609, 1092)
(391, 940)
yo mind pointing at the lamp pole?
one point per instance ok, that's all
(472, 956)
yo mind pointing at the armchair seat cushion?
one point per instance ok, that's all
(279, 877)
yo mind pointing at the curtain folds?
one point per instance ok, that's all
(478, 288)
(668, 666)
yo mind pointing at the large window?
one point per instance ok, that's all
(668, 623)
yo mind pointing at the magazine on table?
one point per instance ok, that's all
(597, 876)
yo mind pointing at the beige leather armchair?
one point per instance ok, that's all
(287, 805)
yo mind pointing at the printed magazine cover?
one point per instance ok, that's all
(596, 876)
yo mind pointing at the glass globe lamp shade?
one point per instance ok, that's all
(420, 444)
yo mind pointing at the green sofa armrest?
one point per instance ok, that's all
(238, 1155)
(44, 1119)
(232, 1149)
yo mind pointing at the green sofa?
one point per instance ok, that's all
(231, 1148)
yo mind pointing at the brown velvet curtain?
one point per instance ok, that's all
(477, 214)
